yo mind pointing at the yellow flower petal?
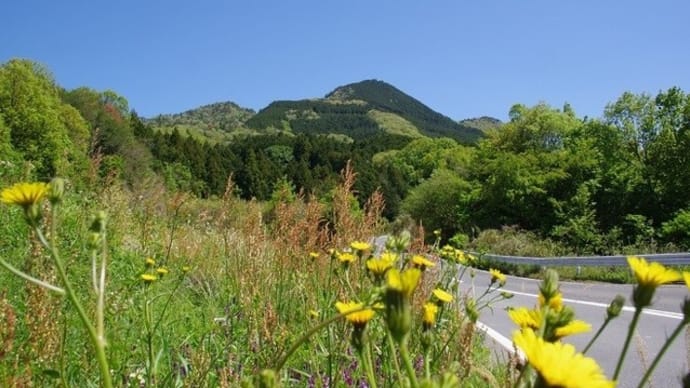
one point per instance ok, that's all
(652, 274)
(24, 194)
(559, 365)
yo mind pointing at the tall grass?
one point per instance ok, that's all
(210, 293)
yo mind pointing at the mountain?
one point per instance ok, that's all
(362, 109)
(483, 123)
(214, 122)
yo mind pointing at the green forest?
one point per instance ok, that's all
(580, 185)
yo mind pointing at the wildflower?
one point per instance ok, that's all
(389, 256)
(162, 271)
(148, 278)
(442, 296)
(686, 278)
(28, 196)
(360, 246)
(186, 268)
(651, 274)
(399, 289)
(379, 266)
(497, 276)
(150, 262)
(313, 255)
(346, 257)
(549, 359)
(422, 262)
(429, 311)
(314, 314)
(649, 277)
(24, 194)
(573, 327)
(355, 313)
(525, 318)
(555, 303)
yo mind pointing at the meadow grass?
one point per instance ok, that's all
(214, 293)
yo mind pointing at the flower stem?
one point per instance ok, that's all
(365, 358)
(631, 330)
(601, 329)
(97, 342)
(670, 340)
(393, 356)
(405, 355)
(305, 337)
(30, 278)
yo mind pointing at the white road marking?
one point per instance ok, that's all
(658, 313)
(500, 339)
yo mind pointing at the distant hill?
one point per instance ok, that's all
(216, 122)
(362, 109)
(483, 123)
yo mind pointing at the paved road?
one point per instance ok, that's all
(589, 300)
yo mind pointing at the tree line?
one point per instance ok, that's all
(590, 184)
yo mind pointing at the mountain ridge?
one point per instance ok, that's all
(356, 110)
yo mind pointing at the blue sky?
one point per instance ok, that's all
(463, 59)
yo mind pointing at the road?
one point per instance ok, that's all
(589, 300)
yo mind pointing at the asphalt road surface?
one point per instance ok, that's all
(590, 300)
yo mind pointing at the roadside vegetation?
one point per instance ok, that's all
(164, 258)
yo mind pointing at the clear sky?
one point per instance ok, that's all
(462, 58)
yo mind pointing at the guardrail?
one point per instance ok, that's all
(682, 258)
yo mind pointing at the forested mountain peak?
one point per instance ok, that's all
(359, 110)
(483, 123)
(223, 116)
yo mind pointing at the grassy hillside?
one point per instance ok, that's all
(483, 123)
(385, 97)
(217, 122)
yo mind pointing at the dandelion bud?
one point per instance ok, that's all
(471, 310)
(549, 286)
(94, 240)
(56, 190)
(98, 223)
(615, 307)
(268, 379)
(399, 289)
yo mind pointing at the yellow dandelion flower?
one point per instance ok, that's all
(422, 262)
(162, 271)
(148, 278)
(497, 276)
(574, 327)
(355, 313)
(686, 278)
(346, 257)
(186, 269)
(442, 296)
(403, 282)
(379, 266)
(389, 256)
(652, 274)
(429, 311)
(555, 303)
(314, 314)
(149, 262)
(24, 194)
(313, 255)
(649, 277)
(549, 359)
(525, 318)
(360, 246)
